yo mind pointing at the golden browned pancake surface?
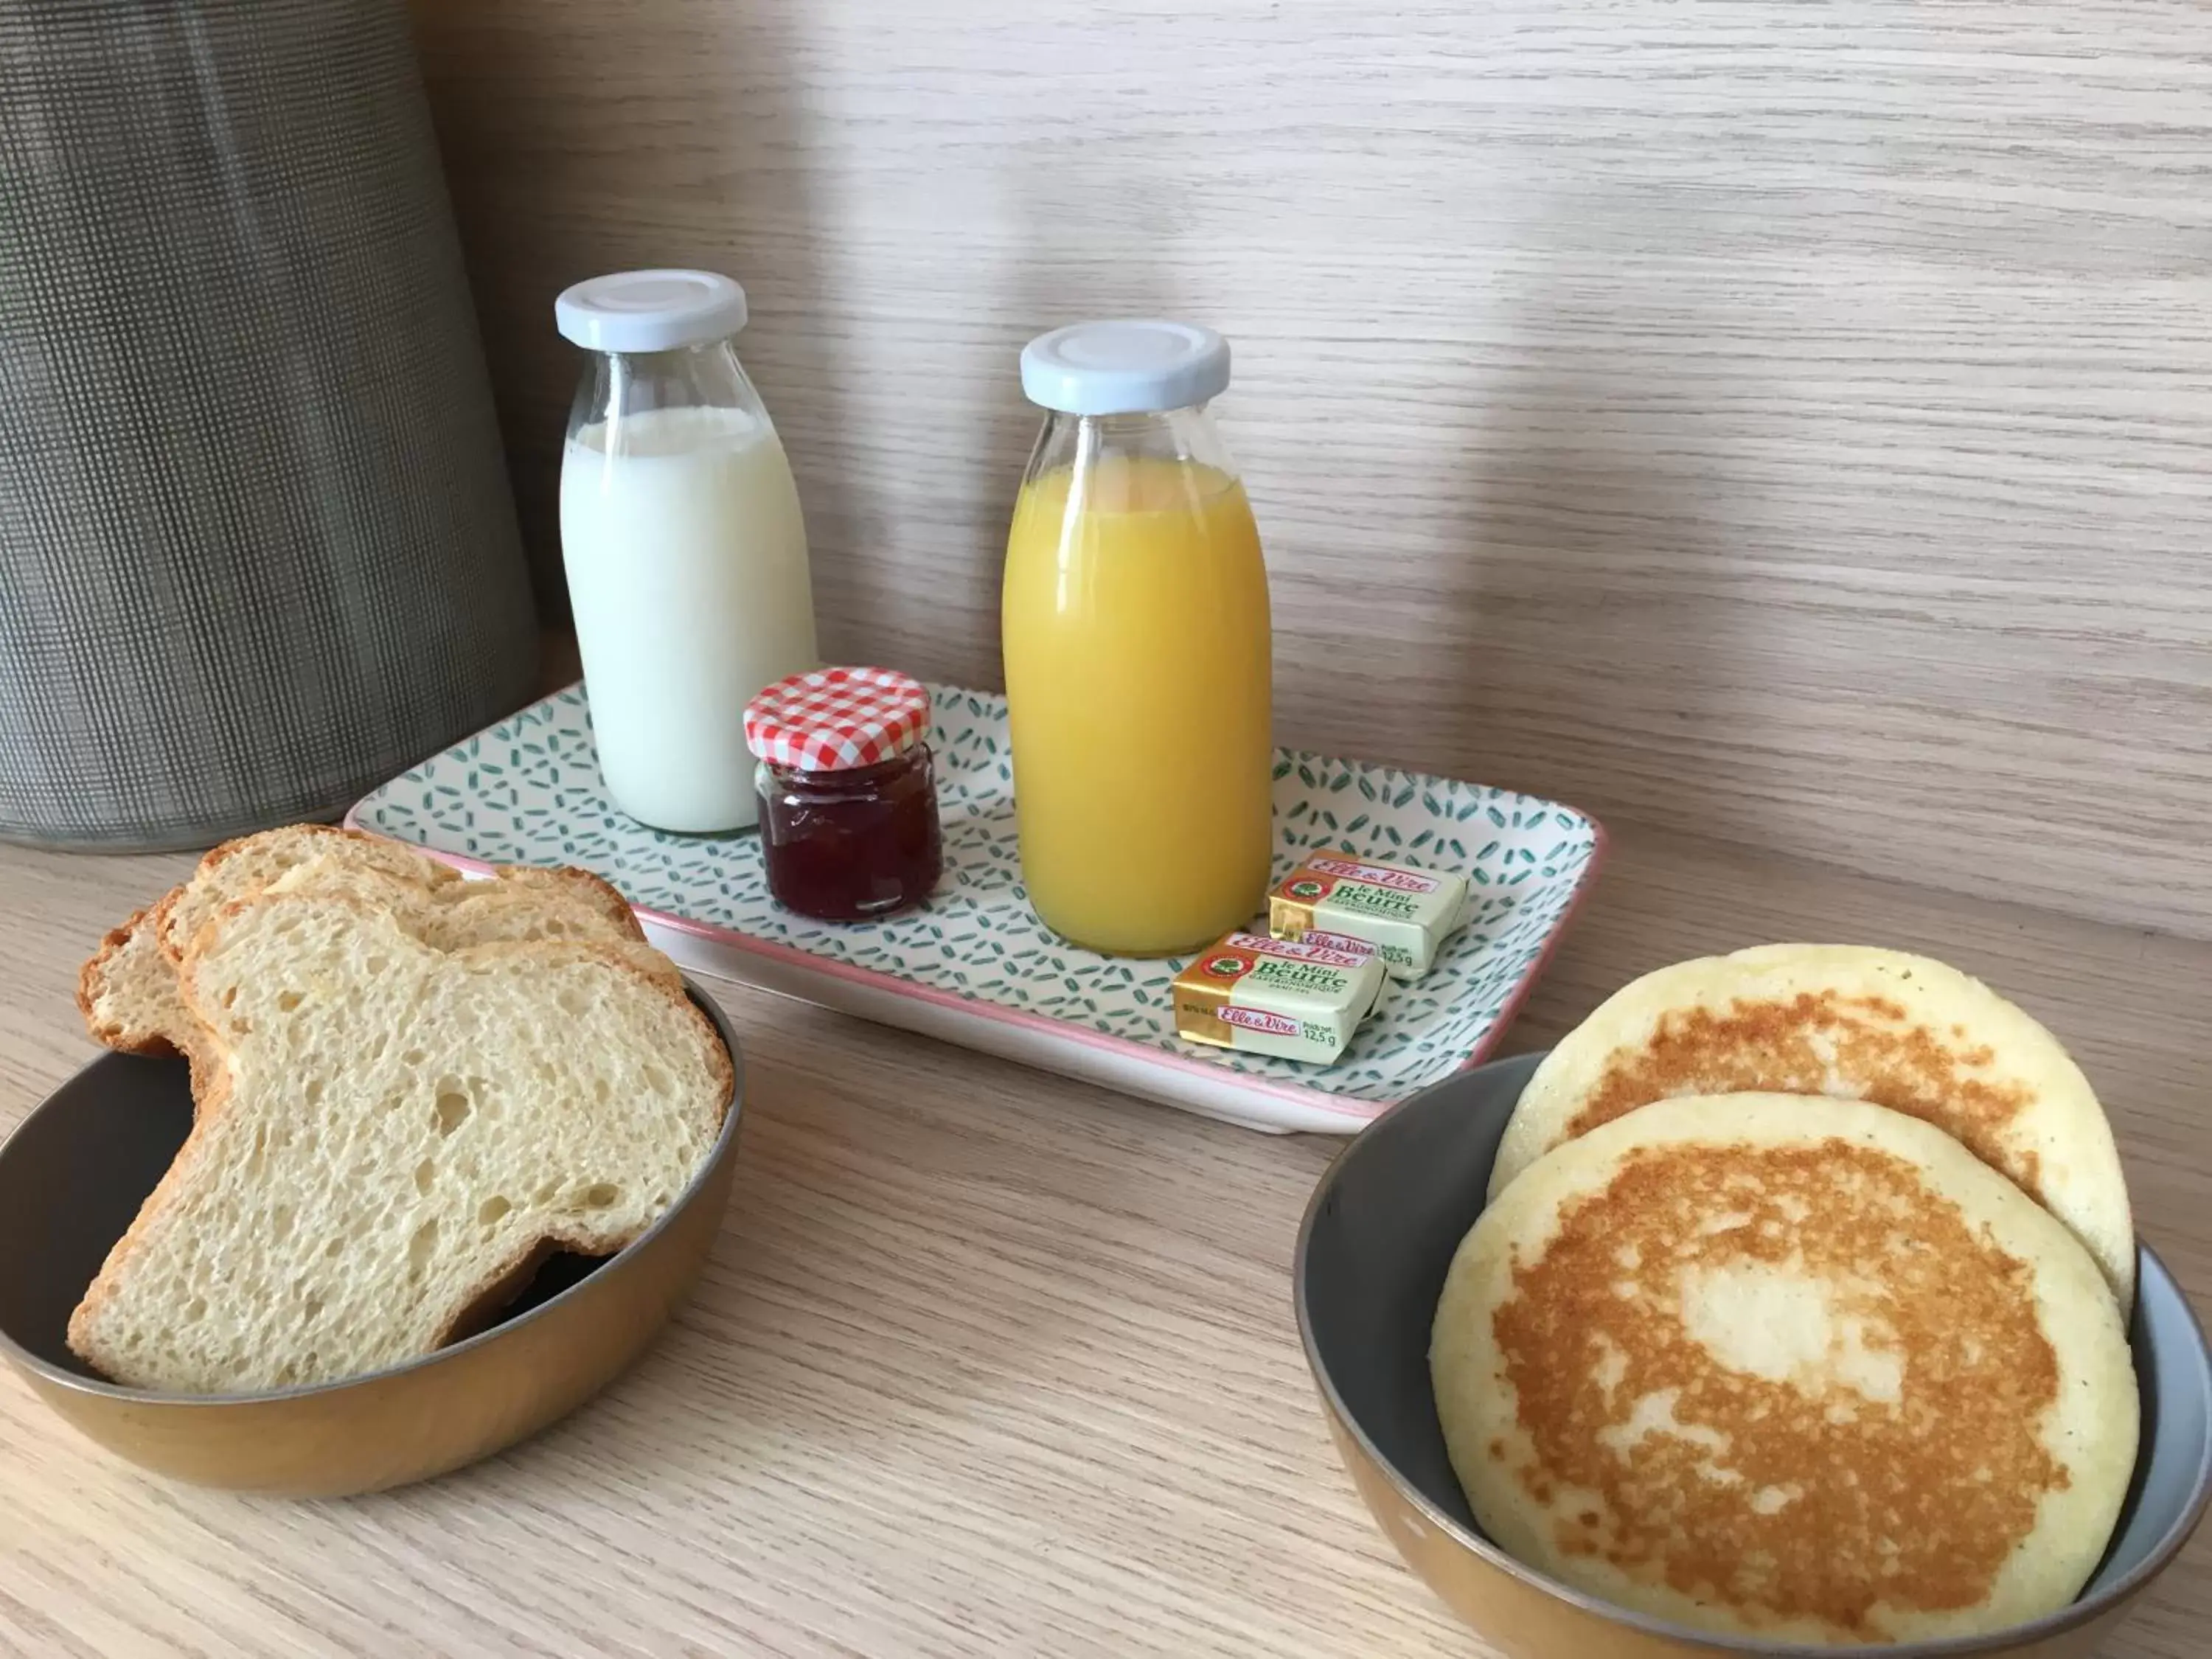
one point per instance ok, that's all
(1902, 1031)
(1799, 1369)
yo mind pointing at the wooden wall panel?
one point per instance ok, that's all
(1783, 421)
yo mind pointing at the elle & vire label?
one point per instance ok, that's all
(1405, 914)
(1268, 996)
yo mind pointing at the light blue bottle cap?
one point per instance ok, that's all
(650, 310)
(1127, 366)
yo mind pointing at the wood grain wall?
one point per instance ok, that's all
(1778, 420)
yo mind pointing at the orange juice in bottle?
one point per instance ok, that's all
(1136, 646)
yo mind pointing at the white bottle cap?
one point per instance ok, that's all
(650, 310)
(1125, 367)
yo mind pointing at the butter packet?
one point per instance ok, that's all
(1405, 914)
(1268, 996)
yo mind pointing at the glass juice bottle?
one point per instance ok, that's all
(1137, 650)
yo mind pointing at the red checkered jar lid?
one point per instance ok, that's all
(835, 719)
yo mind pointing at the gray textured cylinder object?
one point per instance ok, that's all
(257, 545)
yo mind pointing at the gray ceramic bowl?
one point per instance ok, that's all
(1378, 1235)
(74, 1173)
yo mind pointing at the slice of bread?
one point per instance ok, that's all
(127, 991)
(239, 868)
(516, 904)
(394, 1134)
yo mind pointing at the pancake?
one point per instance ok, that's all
(1902, 1031)
(1792, 1369)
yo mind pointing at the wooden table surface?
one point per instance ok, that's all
(985, 1362)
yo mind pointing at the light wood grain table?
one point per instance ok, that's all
(986, 1361)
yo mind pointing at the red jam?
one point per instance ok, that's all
(853, 844)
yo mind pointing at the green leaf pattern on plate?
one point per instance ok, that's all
(527, 791)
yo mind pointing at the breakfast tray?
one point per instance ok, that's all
(975, 966)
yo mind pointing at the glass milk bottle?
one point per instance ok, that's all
(685, 548)
(1136, 647)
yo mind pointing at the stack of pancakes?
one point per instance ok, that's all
(1798, 1311)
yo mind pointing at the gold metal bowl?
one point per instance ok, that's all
(1378, 1239)
(73, 1175)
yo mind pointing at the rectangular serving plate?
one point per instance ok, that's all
(975, 966)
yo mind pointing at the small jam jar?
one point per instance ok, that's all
(847, 793)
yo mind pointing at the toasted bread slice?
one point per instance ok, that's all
(239, 868)
(127, 991)
(516, 904)
(392, 1134)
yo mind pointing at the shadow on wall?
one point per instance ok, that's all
(946, 515)
(1589, 641)
(709, 174)
(1060, 270)
(760, 216)
(460, 45)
